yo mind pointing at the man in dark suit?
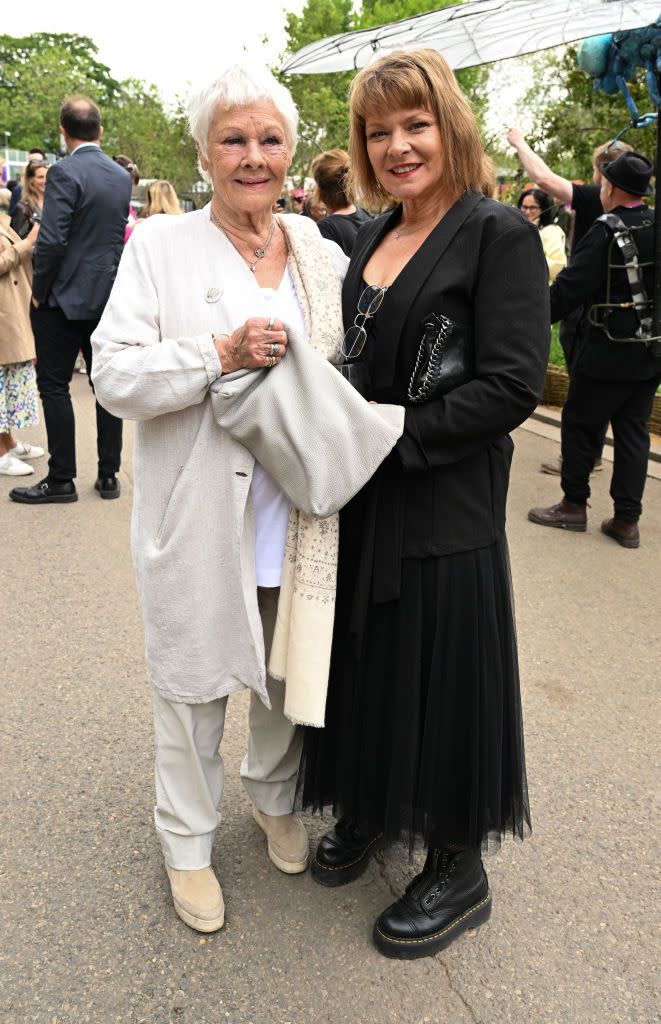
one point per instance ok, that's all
(618, 368)
(75, 263)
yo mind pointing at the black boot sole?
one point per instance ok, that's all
(413, 949)
(333, 877)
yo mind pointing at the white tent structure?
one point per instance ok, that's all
(477, 32)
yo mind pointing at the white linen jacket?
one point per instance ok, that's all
(193, 533)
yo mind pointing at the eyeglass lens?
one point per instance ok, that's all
(369, 302)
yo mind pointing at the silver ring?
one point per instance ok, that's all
(269, 326)
(275, 349)
(271, 361)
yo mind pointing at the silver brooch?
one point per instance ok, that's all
(212, 294)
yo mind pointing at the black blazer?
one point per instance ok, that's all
(82, 233)
(444, 487)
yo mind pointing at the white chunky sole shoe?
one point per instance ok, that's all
(198, 898)
(288, 843)
(9, 466)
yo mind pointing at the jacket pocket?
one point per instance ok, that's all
(161, 525)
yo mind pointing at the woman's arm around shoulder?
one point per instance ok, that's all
(511, 338)
(137, 373)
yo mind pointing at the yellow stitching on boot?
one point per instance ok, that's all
(447, 928)
(344, 866)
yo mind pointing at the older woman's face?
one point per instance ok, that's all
(247, 156)
(406, 152)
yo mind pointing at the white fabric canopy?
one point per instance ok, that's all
(477, 32)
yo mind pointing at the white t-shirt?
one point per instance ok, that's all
(270, 503)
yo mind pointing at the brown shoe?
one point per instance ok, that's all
(623, 532)
(564, 516)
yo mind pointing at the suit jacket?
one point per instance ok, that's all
(585, 282)
(444, 488)
(82, 233)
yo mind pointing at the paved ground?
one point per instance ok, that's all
(87, 933)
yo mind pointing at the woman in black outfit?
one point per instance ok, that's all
(330, 171)
(29, 208)
(423, 734)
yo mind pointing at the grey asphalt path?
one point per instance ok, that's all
(87, 932)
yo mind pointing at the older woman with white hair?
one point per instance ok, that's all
(197, 298)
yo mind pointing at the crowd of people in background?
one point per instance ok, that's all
(562, 210)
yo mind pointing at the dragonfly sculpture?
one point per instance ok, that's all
(613, 60)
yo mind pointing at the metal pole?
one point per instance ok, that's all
(656, 298)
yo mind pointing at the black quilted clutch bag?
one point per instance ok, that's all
(443, 361)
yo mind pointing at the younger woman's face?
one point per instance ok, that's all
(530, 208)
(39, 180)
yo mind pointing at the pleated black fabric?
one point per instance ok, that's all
(423, 736)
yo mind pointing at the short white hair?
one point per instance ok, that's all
(240, 85)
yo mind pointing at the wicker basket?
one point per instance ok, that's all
(555, 386)
(555, 393)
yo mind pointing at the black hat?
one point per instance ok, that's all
(631, 172)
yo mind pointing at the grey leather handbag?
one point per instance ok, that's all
(307, 426)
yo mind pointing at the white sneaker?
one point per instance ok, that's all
(23, 450)
(9, 466)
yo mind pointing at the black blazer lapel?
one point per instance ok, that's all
(410, 281)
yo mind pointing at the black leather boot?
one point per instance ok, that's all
(450, 896)
(343, 854)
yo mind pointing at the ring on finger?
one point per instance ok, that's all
(269, 326)
(271, 361)
(275, 349)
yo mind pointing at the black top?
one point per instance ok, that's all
(82, 233)
(444, 487)
(584, 283)
(22, 219)
(586, 204)
(343, 227)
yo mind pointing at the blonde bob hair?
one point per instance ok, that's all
(410, 79)
(161, 198)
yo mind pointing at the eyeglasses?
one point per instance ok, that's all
(531, 207)
(356, 336)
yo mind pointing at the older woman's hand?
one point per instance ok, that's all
(256, 344)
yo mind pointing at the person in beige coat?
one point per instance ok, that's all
(198, 297)
(18, 387)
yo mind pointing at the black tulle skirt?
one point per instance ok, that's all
(424, 735)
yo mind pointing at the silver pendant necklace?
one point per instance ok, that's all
(260, 251)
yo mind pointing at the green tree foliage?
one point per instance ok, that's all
(322, 99)
(158, 141)
(37, 72)
(576, 119)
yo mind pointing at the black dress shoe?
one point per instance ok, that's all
(449, 897)
(108, 486)
(46, 492)
(343, 854)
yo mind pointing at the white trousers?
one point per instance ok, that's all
(189, 767)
